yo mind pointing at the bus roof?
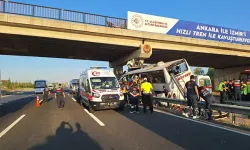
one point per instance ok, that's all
(154, 67)
(40, 80)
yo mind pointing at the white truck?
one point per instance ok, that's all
(100, 89)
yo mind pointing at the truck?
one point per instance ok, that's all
(99, 89)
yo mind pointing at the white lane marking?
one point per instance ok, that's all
(73, 99)
(28, 95)
(95, 118)
(5, 96)
(11, 126)
(205, 123)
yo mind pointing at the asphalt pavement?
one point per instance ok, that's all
(73, 127)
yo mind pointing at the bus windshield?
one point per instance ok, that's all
(104, 83)
(40, 84)
(178, 67)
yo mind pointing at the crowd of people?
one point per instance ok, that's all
(59, 96)
(234, 90)
(136, 88)
(193, 94)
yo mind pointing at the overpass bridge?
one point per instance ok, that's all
(31, 30)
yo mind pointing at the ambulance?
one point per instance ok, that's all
(205, 81)
(100, 89)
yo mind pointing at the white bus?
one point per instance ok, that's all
(173, 75)
(100, 89)
(39, 86)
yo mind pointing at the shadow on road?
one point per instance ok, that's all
(14, 105)
(66, 139)
(188, 134)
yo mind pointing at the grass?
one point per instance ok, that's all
(240, 120)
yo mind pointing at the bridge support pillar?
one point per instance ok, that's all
(228, 74)
(144, 52)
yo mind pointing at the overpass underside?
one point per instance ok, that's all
(60, 48)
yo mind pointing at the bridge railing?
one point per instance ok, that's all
(61, 14)
(222, 107)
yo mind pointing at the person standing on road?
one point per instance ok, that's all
(46, 94)
(243, 91)
(191, 91)
(60, 95)
(147, 97)
(134, 97)
(125, 92)
(236, 90)
(222, 88)
(230, 90)
(248, 90)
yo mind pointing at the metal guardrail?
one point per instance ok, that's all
(221, 107)
(61, 14)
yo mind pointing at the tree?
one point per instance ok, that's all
(210, 72)
(9, 86)
(198, 71)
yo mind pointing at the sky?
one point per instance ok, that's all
(225, 13)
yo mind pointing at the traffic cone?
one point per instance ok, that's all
(37, 102)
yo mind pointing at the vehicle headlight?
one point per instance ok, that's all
(97, 95)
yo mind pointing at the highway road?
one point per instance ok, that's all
(24, 126)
